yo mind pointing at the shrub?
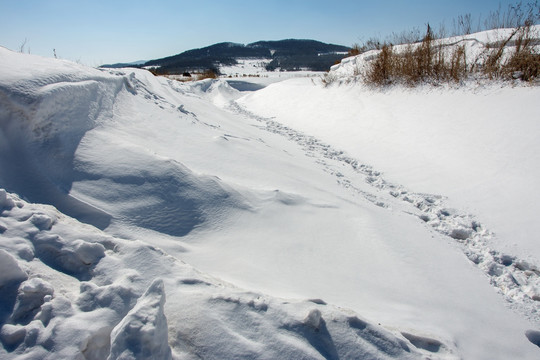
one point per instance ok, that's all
(355, 50)
(524, 62)
(381, 69)
(413, 63)
(493, 60)
(458, 64)
(521, 62)
(524, 66)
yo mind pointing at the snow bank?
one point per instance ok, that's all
(47, 107)
(49, 114)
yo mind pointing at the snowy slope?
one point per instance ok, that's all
(477, 146)
(166, 174)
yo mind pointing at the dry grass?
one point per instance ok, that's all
(458, 64)
(380, 71)
(355, 50)
(516, 57)
(426, 60)
(414, 63)
(524, 62)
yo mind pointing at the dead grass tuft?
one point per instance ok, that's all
(430, 61)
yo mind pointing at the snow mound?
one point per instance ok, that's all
(145, 190)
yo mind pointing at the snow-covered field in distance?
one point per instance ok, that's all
(251, 75)
(296, 221)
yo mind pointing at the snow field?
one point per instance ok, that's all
(516, 278)
(177, 174)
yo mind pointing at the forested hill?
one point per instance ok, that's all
(289, 55)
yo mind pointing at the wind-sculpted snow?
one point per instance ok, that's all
(119, 310)
(151, 192)
(43, 121)
(44, 115)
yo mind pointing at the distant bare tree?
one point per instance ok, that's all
(21, 48)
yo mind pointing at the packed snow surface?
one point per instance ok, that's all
(147, 218)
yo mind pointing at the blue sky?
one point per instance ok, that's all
(97, 32)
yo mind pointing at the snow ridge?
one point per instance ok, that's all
(517, 280)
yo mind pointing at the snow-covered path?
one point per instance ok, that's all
(180, 174)
(514, 277)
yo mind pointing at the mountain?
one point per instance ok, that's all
(289, 55)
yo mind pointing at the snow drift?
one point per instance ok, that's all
(118, 311)
(45, 117)
(337, 262)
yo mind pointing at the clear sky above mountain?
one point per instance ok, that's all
(97, 32)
